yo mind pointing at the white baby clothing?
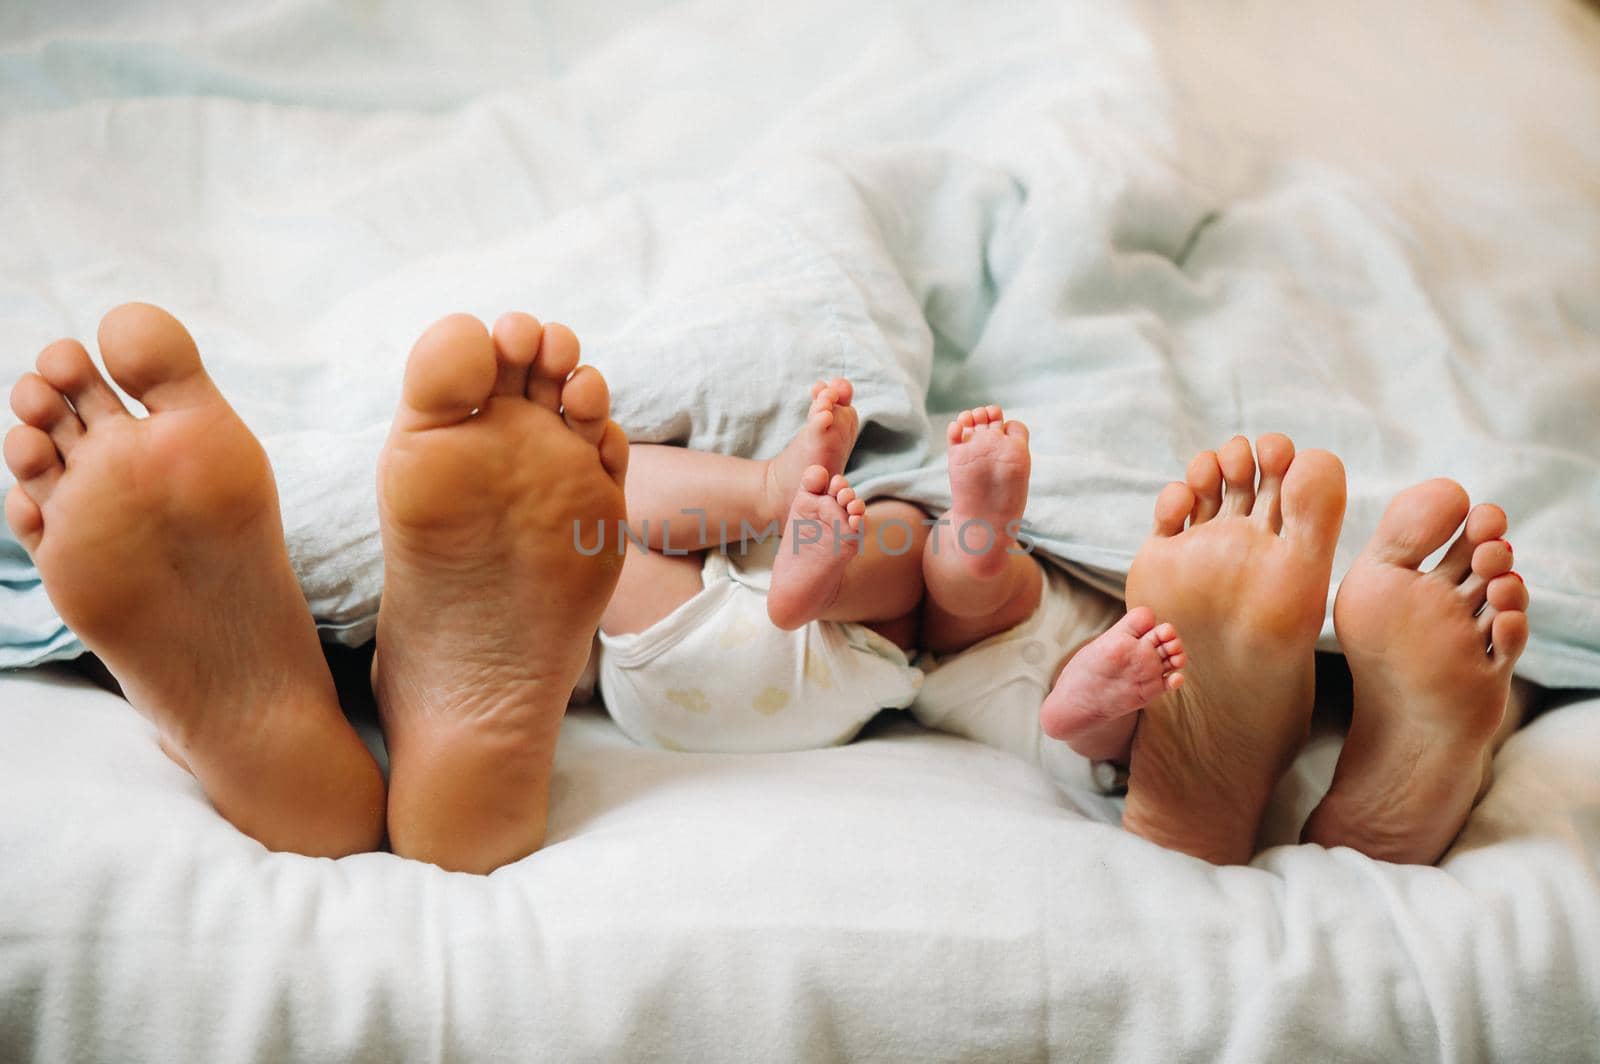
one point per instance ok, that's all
(991, 692)
(717, 675)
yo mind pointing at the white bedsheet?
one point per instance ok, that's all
(912, 896)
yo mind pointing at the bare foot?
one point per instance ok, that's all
(821, 536)
(1430, 658)
(160, 545)
(1246, 583)
(826, 440)
(989, 466)
(500, 445)
(1106, 682)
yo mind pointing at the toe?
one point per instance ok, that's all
(1313, 502)
(1418, 522)
(1276, 452)
(586, 403)
(154, 358)
(450, 373)
(25, 518)
(38, 404)
(614, 452)
(1016, 430)
(1239, 471)
(68, 369)
(1204, 477)
(1489, 560)
(1507, 592)
(557, 358)
(1139, 621)
(814, 480)
(33, 460)
(516, 344)
(843, 390)
(1486, 521)
(1172, 508)
(1508, 637)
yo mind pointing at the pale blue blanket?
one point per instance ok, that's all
(1138, 244)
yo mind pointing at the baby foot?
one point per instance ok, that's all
(1107, 681)
(1246, 583)
(500, 452)
(160, 545)
(826, 440)
(820, 537)
(989, 465)
(1431, 656)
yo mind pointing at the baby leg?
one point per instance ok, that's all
(841, 559)
(978, 581)
(1094, 705)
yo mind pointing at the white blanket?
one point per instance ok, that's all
(1371, 227)
(910, 897)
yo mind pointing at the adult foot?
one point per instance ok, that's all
(160, 545)
(826, 440)
(989, 465)
(820, 537)
(501, 455)
(1431, 656)
(1110, 679)
(1246, 583)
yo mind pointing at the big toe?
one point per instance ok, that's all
(451, 373)
(1418, 522)
(1313, 502)
(152, 356)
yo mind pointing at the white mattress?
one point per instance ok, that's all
(911, 896)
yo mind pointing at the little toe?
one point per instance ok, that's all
(516, 344)
(1239, 472)
(25, 518)
(614, 452)
(586, 403)
(39, 405)
(68, 369)
(1173, 506)
(1204, 478)
(1508, 637)
(1174, 681)
(152, 356)
(33, 460)
(1276, 452)
(559, 352)
(449, 375)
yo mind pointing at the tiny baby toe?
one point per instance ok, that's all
(1174, 681)
(814, 479)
